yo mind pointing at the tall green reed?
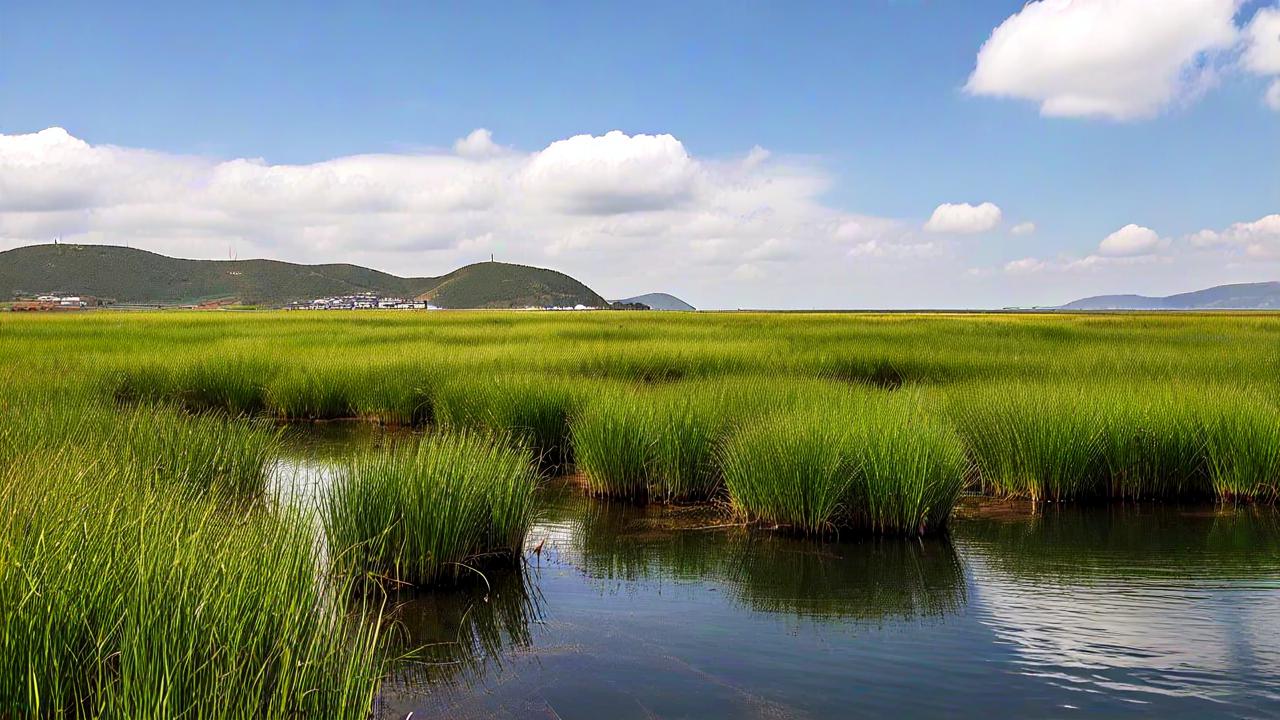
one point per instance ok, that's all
(427, 510)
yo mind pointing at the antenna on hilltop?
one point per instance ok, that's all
(490, 257)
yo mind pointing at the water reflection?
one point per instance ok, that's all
(865, 580)
(1139, 604)
(456, 636)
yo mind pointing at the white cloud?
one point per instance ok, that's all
(1129, 241)
(1025, 265)
(1024, 228)
(1272, 98)
(1236, 246)
(1097, 261)
(1261, 54)
(1121, 59)
(613, 173)
(1262, 43)
(1257, 239)
(477, 144)
(620, 211)
(756, 156)
(897, 249)
(963, 218)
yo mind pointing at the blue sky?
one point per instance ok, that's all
(869, 99)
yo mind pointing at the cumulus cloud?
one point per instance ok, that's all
(1259, 238)
(1024, 228)
(1129, 241)
(1262, 43)
(612, 208)
(1121, 59)
(477, 144)
(613, 173)
(963, 218)
(1261, 54)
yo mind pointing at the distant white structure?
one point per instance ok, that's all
(62, 300)
(563, 307)
(361, 301)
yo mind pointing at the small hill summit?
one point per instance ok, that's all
(126, 275)
(657, 301)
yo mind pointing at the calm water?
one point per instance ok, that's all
(1119, 611)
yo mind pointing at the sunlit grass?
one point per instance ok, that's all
(131, 587)
(428, 510)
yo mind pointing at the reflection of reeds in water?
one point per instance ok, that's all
(619, 541)
(456, 637)
(872, 580)
(1132, 541)
(869, 580)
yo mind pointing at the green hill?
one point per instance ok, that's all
(127, 275)
(499, 285)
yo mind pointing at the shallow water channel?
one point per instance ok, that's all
(630, 612)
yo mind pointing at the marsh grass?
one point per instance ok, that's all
(662, 444)
(235, 385)
(688, 431)
(1153, 446)
(162, 446)
(875, 464)
(208, 453)
(613, 442)
(123, 597)
(428, 510)
(312, 393)
(1054, 407)
(791, 469)
(1032, 441)
(1242, 449)
(533, 410)
(396, 394)
(911, 468)
(1050, 441)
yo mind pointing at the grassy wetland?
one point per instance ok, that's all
(152, 564)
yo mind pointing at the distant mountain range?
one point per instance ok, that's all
(1243, 296)
(136, 276)
(658, 301)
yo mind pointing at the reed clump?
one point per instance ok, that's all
(613, 442)
(1242, 449)
(533, 410)
(428, 510)
(864, 464)
(1033, 441)
(792, 469)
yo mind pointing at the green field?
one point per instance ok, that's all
(147, 567)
